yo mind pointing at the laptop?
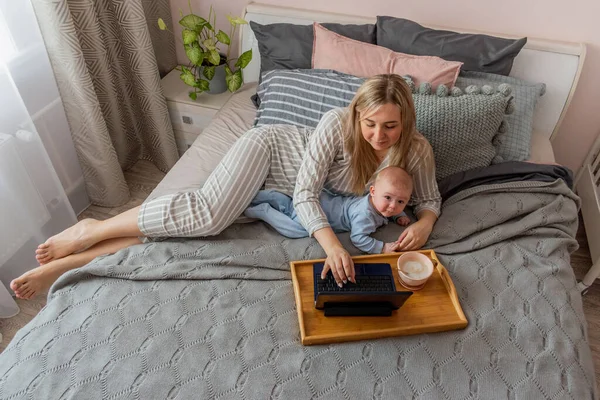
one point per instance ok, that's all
(373, 294)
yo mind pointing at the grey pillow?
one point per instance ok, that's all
(482, 53)
(515, 143)
(461, 127)
(301, 97)
(289, 46)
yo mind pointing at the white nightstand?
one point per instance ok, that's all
(189, 117)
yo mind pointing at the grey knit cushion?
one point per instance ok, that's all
(460, 125)
(515, 144)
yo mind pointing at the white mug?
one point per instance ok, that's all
(414, 269)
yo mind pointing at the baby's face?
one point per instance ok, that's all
(389, 199)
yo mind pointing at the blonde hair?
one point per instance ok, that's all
(374, 93)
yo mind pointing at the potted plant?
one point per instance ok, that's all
(210, 69)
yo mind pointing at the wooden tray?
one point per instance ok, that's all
(434, 308)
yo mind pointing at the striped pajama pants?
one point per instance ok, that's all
(268, 155)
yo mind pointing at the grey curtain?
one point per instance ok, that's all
(108, 57)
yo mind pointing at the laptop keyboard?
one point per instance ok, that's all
(364, 283)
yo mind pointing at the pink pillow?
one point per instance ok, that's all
(349, 56)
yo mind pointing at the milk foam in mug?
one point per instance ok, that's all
(414, 269)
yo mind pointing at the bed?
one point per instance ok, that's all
(215, 317)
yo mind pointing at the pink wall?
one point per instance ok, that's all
(574, 21)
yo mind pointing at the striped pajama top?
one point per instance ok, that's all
(326, 164)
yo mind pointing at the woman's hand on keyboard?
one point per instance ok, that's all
(341, 265)
(338, 260)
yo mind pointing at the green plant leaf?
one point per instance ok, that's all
(223, 38)
(161, 24)
(234, 80)
(209, 26)
(187, 77)
(236, 20)
(244, 59)
(209, 44)
(209, 72)
(193, 95)
(189, 36)
(202, 84)
(227, 70)
(193, 22)
(194, 53)
(214, 57)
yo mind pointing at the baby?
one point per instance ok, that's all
(359, 215)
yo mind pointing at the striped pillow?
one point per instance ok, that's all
(301, 97)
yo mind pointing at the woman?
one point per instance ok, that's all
(341, 154)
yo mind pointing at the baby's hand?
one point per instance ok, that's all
(390, 247)
(403, 221)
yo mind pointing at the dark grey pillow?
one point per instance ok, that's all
(289, 46)
(482, 53)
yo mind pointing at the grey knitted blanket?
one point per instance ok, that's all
(215, 318)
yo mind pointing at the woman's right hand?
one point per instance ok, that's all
(341, 265)
(338, 259)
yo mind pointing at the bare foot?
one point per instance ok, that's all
(39, 279)
(41, 254)
(72, 240)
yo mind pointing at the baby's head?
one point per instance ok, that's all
(391, 191)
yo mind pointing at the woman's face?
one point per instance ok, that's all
(382, 128)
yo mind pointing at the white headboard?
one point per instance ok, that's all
(557, 64)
